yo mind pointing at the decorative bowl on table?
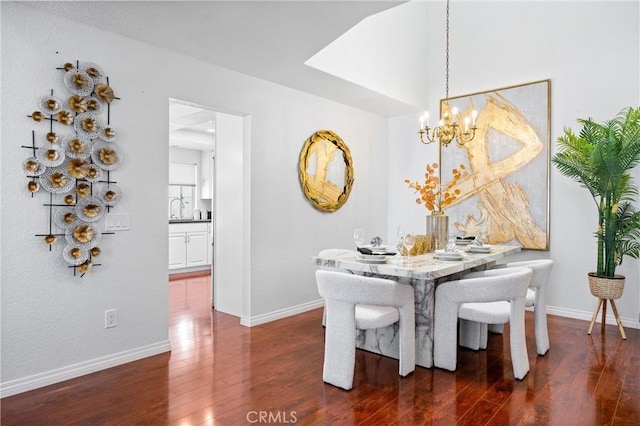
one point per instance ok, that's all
(423, 244)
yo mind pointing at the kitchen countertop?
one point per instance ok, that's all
(189, 220)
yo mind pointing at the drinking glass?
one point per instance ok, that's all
(401, 233)
(408, 242)
(451, 244)
(358, 237)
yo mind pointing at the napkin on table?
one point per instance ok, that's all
(365, 250)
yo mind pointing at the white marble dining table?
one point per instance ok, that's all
(423, 273)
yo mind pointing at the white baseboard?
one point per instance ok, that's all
(46, 378)
(562, 312)
(586, 316)
(282, 313)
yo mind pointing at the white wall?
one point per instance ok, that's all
(229, 232)
(52, 323)
(589, 50)
(285, 230)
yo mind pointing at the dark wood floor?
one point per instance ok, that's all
(224, 374)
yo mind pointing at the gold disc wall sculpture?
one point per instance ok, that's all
(326, 171)
(72, 154)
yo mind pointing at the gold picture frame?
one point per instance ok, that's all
(326, 171)
(502, 175)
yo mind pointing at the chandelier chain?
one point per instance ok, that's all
(447, 58)
(451, 126)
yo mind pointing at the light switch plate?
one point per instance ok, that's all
(116, 222)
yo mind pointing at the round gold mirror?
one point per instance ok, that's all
(326, 171)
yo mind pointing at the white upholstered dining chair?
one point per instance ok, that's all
(333, 253)
(356, 302)
(536, 298)
(467, 299)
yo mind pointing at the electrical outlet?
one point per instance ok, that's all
(111, 318)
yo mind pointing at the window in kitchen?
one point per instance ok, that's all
(182, 190)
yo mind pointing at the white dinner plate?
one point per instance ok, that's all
(463, 242)
(456, 252)
(364, 258)
(381, 249)
(371, 256)
(448, 256)
(483, 249)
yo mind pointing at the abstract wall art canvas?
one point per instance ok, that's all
(502, 185)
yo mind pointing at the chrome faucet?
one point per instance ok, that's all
(173, 216)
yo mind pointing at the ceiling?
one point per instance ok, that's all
(191, 126)
(270, 40)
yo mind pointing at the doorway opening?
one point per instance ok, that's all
(192, 143)
(206, 149)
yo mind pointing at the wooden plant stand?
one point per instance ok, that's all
(603, 303)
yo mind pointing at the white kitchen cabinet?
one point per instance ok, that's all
(197, 248)
(177, 250)
(188, 245)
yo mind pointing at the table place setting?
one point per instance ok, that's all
(479, 249)
(371, 253)
(476, 246)
(374, 254)
(375, 250)
(451, 252)
(450, 256)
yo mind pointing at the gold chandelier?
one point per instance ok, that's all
(448, 127)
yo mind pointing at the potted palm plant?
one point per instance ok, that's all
(601, 158)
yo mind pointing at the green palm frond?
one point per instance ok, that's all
(600, 158)
(628, 232)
